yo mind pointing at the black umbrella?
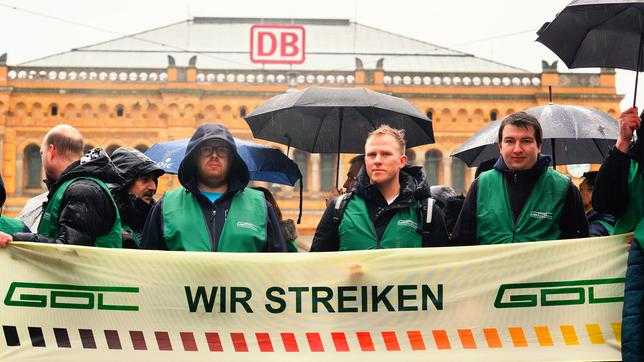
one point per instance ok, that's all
(336, 120)
(571, 134)
(598, 33)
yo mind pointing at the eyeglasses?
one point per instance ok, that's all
(220, 151)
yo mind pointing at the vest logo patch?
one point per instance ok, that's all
(409, 223)
(46, 216)
(247, 225)
(541, 215)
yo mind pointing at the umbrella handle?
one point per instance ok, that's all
(639, 65)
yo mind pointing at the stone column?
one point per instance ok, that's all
(314, 162)
(20, 182)
(447, 170)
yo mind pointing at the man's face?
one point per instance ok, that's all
(47, 161)
(144, 188)
(586, 194)
(383, 159)
(213, 161)
(518, 147)
(352, 176)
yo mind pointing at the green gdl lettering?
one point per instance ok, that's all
(66, 296)
(545, 294)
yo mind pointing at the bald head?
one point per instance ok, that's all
(67, 141)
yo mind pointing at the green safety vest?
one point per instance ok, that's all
(633, 218)
(185, 228)
(132, 234)
(539, 217)
(357, 232)
(49, 222)
(9, 225)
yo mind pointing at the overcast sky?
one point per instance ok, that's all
(501, 30)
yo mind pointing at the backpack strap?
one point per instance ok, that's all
(339, 205)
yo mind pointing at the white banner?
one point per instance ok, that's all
(556, 300)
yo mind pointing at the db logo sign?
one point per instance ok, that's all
(281, 44)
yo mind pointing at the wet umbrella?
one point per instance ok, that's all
(264, 163)
(336, 120)
(598, 33)
(571, 134)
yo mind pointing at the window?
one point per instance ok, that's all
(430, 114)
(301, 158)
(493, 115)
(411, 157)
(111, 149)
(433, 166)
(327, 171)
(119, 111)
(458, 175)
(142, 148)
(53, 110)
(34, 166)
(242, 111)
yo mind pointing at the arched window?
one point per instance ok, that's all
(494, 115)
(327, 171)
(111, 149)
(242, 112)
(430, 113)
(142, 148)
(411, 157)
(53, 110)
(458, 175)
(34, 165)
(119, 111)
(301, 158)
(433, 166)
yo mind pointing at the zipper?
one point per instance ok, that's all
(214, 224)
(373, 228)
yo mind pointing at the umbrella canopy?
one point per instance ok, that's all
(571, 134)
(597, 33)
(336, 120)
(264, 163)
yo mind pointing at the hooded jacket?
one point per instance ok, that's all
(237, 179)
(132, 164)
(413, 187)
(573, 223)
(87, 210)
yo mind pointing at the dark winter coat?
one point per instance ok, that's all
(87, 210)
(413, 186)
(238, 178)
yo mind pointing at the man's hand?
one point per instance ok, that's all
(629, 121)
(4, 239)
(332, 196)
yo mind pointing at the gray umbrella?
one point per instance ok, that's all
(336, 120)
(576, 134)
(598, 33)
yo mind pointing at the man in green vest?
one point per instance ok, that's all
(135, 196)
(389, 206)
(520, 199)
(619, 190)
(80, 209)
(213, 210)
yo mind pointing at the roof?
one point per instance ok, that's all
(224, 43)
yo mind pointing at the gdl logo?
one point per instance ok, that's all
(546, 294)
(41, 295)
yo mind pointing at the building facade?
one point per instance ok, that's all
(160, 85)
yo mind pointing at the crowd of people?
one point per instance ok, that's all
(96, 200)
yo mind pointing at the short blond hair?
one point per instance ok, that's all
(397, 134)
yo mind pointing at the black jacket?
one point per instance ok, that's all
(238, 178)
(573, 223)
(132, 164)
(413, 186)
(87, 210)
(595, 228)
(610, 194)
